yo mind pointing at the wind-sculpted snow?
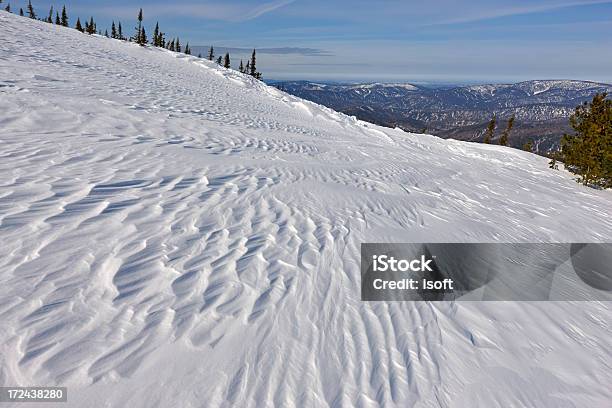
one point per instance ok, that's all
(176, 234)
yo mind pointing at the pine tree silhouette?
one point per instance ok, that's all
(31, 12)
(64, 17)
(156, 41)
(91, 26)
(57, 19)
(490, 130)
(187, 49)
(177, 45)
(219, 60)
(241, 67)
(253, 70)
(226, 60)
(143, 37)
(8, 8)
(50, 17)
(503, 141)
(138, 35)
(211, 53)
(21, 12)
(113, 30)
(78, 25)
(120, 32)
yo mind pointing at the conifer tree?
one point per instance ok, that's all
(50, 16)
(143, 37)
(199, 55)
(78, 25)
(31, 12)
(20, 11)
(528, 146)
(241, 67)
(247, 69)
(226, 60)
(8, 8)
(64, 17)
(106, 33)
(219, 60)
(120, 32)
(177, 45)
(91, 26)
(156, 41)
(211, 53)
(253, 69)
(503, 141)
(187, 49)
(113, 30)
(171, 46)
(588, 153)
(57, 19)
(490, 130)
(138, 35)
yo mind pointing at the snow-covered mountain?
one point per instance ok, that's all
(173, 233)
(541, 108)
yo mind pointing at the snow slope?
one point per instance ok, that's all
(176, 234)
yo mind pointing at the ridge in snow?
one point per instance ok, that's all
(172, 232)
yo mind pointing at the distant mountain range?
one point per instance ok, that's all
(541, 108)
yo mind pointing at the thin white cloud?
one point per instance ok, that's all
(215, 10)
(520, 10)
(265, 8)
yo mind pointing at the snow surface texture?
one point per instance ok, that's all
(173, 233)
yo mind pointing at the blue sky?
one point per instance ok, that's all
(387, 40)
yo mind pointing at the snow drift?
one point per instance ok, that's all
(173, 233)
